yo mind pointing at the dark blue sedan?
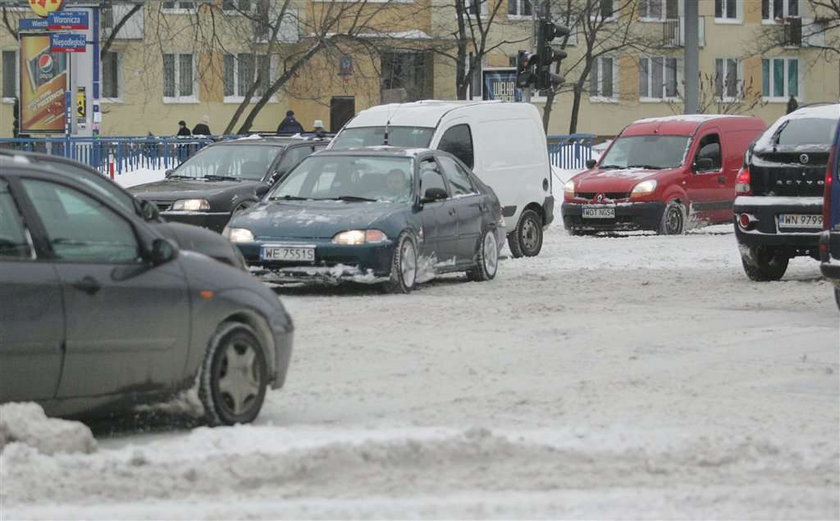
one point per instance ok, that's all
(384, 214)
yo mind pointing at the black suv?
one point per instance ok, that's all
(225, 178)
(779, 208)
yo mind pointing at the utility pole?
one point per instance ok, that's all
(692, 57)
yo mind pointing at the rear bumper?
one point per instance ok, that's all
(215, 221)
(628, 216)
(765, 230)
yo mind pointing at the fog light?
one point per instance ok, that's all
(746, 221)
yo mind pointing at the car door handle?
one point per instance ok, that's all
(87, 284)
(722, 179)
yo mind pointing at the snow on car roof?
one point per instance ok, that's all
(827, 111)
(424, 113)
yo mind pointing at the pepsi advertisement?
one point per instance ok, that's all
(43, 84)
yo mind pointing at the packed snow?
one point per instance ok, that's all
(637, 377)
(26, 424)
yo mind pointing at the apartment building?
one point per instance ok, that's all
(181, 60)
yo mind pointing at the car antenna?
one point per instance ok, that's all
(388, 124)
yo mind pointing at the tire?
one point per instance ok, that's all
(234, 376)
(487, 257)
(513, 245)
(529, 233)
(673, 219)
(763, 264)
(403, 265)
(837, 296)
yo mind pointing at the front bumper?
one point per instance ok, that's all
(628, 216)
(765, 230)
(215, 221)
(367, 263)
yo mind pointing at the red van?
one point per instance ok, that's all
(661, 173)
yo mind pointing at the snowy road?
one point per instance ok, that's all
(635, 377)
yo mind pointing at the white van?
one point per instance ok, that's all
(503, 143)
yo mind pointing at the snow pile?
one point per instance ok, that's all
(140, 176)
(26, 423)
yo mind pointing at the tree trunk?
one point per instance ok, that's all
(461, 59)
(573, 120)
(549, 105)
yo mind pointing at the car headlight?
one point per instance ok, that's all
(191, 205)
(239, 234)
(644, 188)
(358, 237)
(570, 188)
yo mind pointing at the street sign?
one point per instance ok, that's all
(81, 107)
(68, 21)
(500, 84)
(32, 24)
(67, 42)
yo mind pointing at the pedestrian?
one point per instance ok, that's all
(290, 125)
(792, 104)
(203, 128)
(182, 129)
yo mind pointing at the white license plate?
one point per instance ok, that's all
(288, 253)
(598, 212)
(796, 220)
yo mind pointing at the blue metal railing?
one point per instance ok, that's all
(129, 153)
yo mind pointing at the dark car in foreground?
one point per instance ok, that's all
(225, 178)
(100, 313)
(381, 214)
(185, 236)
(779, 208)
(830, 237)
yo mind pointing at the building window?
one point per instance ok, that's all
(779, 9)
(727, 78)
(726, 10)
(780, 78)
(241, 73)
(602, 79)
(519, 8)
(658, 9)
(178, 76)
(10, 74)
(658, 77)
(179, 6)
(406, 76)
(111, 75)
(237, 6)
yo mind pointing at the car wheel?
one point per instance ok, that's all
(513, 245)
(529, 231)
(837, 296)
(673, 219)
(487, 258)
(234, 376)
(403, 265)
(763, 264)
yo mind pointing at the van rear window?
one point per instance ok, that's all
(408, 137)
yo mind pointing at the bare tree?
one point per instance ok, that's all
(720, 95)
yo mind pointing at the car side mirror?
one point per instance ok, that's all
(162, 251)
(149, 210)
(590, 163)
(434, 194)
(703, 164)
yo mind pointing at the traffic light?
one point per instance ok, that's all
(547, 32)
(525, 67)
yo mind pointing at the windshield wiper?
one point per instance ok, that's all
(288, 198)
(610, 166)
(178, 176)
(214, 177)
(650, 167)
(351, 198)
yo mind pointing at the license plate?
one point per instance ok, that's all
(796, 220)
(288, 253)
(598, 212)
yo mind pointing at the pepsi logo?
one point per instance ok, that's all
(45, 63)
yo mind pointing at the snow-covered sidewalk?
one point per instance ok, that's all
(632, 377)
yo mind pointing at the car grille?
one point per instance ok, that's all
(783, 174)
(607, 195)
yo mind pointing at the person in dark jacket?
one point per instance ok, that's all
(182, 129)
(203, 128)
(289, 125)
(792, 104)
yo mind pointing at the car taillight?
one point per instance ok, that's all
(742, 181)
(829, 175)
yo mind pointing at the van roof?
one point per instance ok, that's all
(683, 125)
(426, 113)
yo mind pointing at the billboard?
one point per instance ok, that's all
(43, 86)
(500, 84)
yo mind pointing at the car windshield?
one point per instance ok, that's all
(655, 152)
(806, 131)
(229, 162)
(408, 137)
(348, 178)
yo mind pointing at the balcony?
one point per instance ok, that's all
(673, 32)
